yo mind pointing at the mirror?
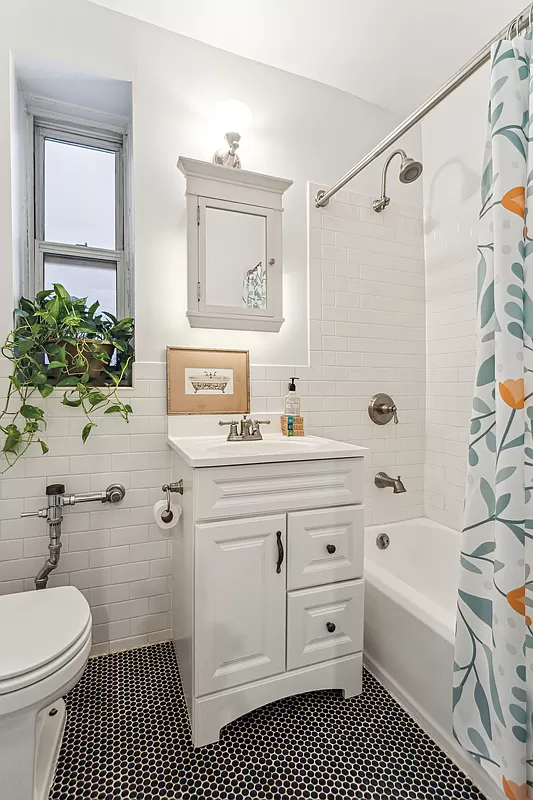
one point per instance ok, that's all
(235, 259)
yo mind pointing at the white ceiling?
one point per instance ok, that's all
(391, 53)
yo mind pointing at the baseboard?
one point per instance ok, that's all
(476, 774)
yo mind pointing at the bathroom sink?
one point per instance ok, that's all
(212, 451)
(259, 448)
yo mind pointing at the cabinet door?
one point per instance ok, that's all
(240, 602)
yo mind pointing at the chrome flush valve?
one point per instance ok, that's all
(53, 513)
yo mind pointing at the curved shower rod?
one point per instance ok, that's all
(520, 23)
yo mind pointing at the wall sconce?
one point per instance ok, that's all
(231, 116)
(229, 158)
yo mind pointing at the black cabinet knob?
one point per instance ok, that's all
(331, 627)
(331, 548)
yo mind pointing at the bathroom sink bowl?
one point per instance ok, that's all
(215, 451)
(260, 448)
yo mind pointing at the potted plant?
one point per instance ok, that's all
(60, 341)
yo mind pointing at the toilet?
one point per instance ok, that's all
(45, 639)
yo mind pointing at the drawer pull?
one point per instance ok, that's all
(281, 553)
(331, 548)
(331, 627)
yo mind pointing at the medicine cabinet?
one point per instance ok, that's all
(234, 247)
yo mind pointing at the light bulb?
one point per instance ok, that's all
(232, 115)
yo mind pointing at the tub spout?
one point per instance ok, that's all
(384, 481)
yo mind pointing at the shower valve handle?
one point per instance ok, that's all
(391, 409)
(382, 409)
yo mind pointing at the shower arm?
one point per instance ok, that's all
(383, 202)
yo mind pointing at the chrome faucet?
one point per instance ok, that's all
(384, 481)
(245, 430)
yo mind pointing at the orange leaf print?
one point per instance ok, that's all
(513, 791)
(512, 393)
(517, 601)
(515, 200)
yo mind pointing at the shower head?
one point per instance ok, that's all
(410, 171)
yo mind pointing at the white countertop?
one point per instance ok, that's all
(215, 451)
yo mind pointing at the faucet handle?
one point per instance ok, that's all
(395, 415)
(233, 433)
(256, 426)
(43, 512)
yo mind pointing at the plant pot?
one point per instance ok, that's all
(87, 348)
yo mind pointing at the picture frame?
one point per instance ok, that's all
(205, 381)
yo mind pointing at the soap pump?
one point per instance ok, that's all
(292, 401)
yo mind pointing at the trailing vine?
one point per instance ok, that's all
(59, 342)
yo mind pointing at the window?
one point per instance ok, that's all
(80, 230)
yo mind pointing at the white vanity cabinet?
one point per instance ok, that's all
(267, 594)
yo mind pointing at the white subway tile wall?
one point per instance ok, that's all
(115, 555)
(367, 330)
(451, 262)
(367, 333)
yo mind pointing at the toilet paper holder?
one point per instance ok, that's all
(177, 487)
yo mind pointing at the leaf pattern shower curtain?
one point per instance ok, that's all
(493, 671)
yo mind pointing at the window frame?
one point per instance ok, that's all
(101, 138)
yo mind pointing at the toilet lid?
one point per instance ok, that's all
(36, 627)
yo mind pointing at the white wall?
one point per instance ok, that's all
(367, 312)
(453, 137)
(303, 131)
(19, 212)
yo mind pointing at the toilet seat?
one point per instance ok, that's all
(40, 632)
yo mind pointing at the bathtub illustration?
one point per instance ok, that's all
(209, 382)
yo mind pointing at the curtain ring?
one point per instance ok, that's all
(514, 27)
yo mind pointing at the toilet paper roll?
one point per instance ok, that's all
(160, 507)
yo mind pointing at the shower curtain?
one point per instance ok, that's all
(493, 670)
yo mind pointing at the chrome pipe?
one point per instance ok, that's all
(520, 23)
(41, 579)
(54, 519)
(90, 497)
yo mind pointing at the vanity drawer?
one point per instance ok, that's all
(324, 623)
(325, 546)
(271, 488)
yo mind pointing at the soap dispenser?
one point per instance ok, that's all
(292, 401)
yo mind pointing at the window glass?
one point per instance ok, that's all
(79, 195)
(95, 280)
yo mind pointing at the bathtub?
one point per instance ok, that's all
(410, 596)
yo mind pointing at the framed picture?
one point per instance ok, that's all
(203, 381)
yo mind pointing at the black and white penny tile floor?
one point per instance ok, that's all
(127, 736)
